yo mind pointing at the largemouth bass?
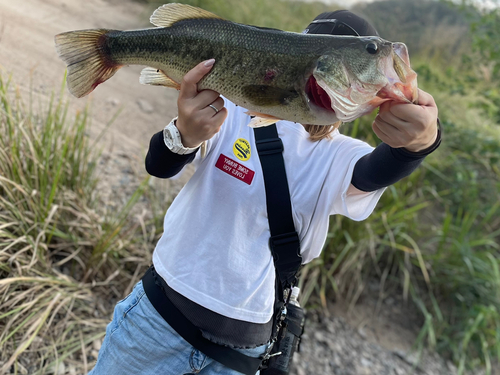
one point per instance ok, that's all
(310, 79)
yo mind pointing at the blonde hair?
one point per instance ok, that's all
(319, 132)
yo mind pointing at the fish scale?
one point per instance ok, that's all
(261, 69)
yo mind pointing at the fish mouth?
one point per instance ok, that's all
(402, 79)
(317, 95)
(346, 105)
(355, 96)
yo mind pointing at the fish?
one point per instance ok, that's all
(273, 74)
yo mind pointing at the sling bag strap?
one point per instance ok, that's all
(222, 354)
(284, 241)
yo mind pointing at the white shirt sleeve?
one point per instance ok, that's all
(356, 206)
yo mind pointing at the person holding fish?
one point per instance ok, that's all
(213, 265)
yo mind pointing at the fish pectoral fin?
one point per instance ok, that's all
(169, 14)
(266, 96)
(156, 77)
(260, 120)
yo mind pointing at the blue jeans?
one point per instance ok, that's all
(139, 341)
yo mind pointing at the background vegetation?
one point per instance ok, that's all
(434, 238)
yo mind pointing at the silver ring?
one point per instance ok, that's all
(213, 107)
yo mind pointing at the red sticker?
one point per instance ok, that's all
(235, 169)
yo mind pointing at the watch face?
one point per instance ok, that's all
(169, 140)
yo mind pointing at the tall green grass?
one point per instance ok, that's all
(63, 261)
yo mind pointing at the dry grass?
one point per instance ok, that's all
(63, 262)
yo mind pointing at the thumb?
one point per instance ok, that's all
(189, 85)
(425, 99)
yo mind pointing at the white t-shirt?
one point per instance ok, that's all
(214, 249)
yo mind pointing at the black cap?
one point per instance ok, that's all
(340, 22)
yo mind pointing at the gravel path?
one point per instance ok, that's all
(332, 346)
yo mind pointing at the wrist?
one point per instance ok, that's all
(173, 140)
(428, 148)
(422, 146)
(185, 139)
(189, 143)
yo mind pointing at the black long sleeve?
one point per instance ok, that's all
(163, 163)
(386, 165)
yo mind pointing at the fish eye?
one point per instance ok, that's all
(372, 48)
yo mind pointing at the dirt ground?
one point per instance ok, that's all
(27, 53)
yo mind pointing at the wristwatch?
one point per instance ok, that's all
(172, 139)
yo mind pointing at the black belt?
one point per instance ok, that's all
(222, 354)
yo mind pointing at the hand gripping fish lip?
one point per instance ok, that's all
(402, 80)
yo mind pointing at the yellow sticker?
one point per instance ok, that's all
(241, 149)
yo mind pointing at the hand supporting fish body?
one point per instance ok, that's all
(310, 79)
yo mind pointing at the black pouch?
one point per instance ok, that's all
(287, 343)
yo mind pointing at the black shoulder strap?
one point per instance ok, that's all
(223, 354)
(285, 248)
(284, 241)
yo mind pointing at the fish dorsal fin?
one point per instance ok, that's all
(169, 14)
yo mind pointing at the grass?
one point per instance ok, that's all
(63, 261)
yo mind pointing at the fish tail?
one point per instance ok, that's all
(88, 62)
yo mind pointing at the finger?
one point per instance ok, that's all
(212, 119)
(204, 98)
(392, 124)
(386, 132)
(221, 116)
(409, 113)
(379, 132)
(189, 85)
(385, 106)
(425, 99)
(214, 107)
(210, 110)
(392, 119)
(218, 103)
(397, 110)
